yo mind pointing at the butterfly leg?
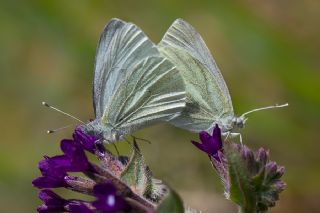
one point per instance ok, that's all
(141, 139)
(226, 135)
(236, 134)
(233, 135)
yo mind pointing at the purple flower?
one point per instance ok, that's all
(55, 203)
(111, 180)
(89, 142)
(52, 177)
(78, 207)
(251, 172)
(52, 202)
(210, 144)
(240, 169)
(99, 180)
(77, 159)
(54, 169)
(107, 199)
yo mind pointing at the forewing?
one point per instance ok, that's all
(152, 91)
(121, 46)
(183, 36)
(206, 102)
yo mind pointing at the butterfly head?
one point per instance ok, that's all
(100, 130)
(238, 122)
(93, 128)
(230, 123)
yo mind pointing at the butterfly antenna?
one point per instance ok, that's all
(263, 108)
(50, 131)
(58, 110)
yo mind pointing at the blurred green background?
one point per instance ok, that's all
(268, 52)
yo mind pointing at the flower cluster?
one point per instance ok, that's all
(245, 175)
(106, 201)
(123, 184)
(101, 181)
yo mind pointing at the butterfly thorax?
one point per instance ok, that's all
(228, 124)
(105, 131)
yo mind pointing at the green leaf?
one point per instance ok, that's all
(242, 191)
(171, 203)
(136, 174)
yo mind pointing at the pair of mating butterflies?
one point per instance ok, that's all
(137, 83)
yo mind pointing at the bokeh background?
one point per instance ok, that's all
(268, 52)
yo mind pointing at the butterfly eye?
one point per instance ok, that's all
(234, 121)
(240, 122)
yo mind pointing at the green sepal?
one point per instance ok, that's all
(242, 192)
(257, 181)
(171, 203)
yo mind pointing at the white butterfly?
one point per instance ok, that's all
(133, 85)
(208, 98)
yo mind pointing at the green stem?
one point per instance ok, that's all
(243, 210)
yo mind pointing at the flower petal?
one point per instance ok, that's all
(48, 182)
(77, 207)
(216, 138)
(202, 147)
(204, 136)
(52, 202)
(77, 156)
(107, 200)
(87, 141)
(103, 190)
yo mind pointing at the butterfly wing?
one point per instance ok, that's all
(121, 45)
(208, 98)
(182, 35)
(133, 85)
(153, 91)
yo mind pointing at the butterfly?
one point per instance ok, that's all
(208, 99)
(133, 86)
